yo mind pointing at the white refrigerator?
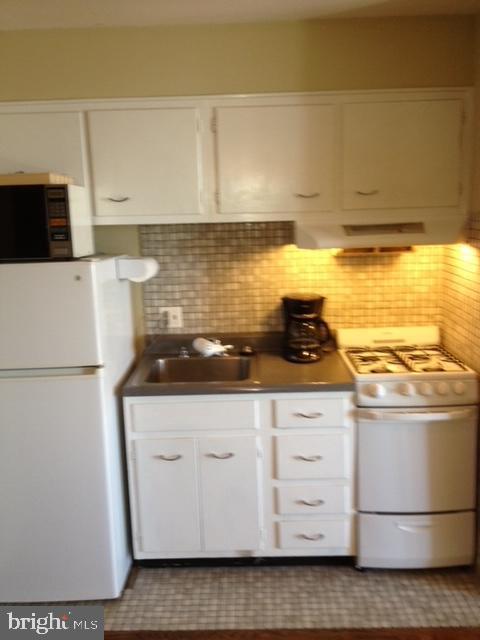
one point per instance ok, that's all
(66, 345)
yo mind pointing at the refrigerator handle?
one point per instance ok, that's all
(136, 269)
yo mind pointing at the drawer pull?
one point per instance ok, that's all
(311, 503)
(373, 192)
(172, 458)
(308, 458)
(308, 416)
(311, 536)
(221, 456)
(315, 194)
(123, 199)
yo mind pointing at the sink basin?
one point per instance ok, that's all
(223, 369)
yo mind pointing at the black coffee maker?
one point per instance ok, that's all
(306, 334)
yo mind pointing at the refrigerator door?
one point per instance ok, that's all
(60, 521)
(48, 315)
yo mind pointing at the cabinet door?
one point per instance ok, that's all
(41, 142)
(275, 158)
(165, 481)
(145, 161)
(229, 481)
(402, 154)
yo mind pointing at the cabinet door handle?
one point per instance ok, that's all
(170, 458)
(311, 503)
(124, 199)
(308, 416)
(313, 536)
(315, 194)
(220, 456)
(308, 458)
(373, 192)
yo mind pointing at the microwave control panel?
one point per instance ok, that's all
(58, 222)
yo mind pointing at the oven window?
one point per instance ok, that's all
(23, 223)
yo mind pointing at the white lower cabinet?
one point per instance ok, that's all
(229, 492)
(260, 484)
(165, 481)
(196, 494)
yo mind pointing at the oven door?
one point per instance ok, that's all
(417, 460)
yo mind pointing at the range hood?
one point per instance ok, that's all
(380, 230)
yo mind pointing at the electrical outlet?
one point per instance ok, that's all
(171, 317)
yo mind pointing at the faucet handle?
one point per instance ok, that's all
(183, 353)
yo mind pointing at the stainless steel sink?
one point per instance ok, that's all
(222, 369)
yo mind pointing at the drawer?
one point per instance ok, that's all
(186, 416)
(320, 412)
(303, 500)
(416, 541)
(314, 534)
(311, 456)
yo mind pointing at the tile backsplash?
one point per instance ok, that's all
(231, 277)
(461, 297)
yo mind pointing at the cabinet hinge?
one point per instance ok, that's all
(216, 197)
(213, 124)
(132, 452)
(259, 451)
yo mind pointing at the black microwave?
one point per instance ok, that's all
(44, 222)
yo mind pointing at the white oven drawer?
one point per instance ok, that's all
(310, 500)
(311, 456)
(420, 541)
(409, 461)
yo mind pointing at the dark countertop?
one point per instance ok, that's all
(270, 372)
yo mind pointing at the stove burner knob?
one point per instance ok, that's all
(425, 389)
(406, 389)
(376, 390)
(442, 388)
(459, 388)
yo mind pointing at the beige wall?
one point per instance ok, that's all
(290, 56)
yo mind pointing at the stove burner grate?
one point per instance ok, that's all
(402, 359)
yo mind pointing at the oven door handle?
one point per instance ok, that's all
(415, 416)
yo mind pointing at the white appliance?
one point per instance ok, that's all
(66, 345)
(417, 448)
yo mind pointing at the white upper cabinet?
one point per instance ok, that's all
(402, 154)
(275, 158)
(145, 162)
(352, 169)
(41, 142)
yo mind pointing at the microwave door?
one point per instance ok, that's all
(23, 224)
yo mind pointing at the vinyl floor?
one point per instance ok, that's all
(294, 597)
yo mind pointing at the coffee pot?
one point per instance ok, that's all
(306, 334)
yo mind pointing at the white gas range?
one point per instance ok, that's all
(417, 429)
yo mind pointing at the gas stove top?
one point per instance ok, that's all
(403, 359)
(405, 366)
